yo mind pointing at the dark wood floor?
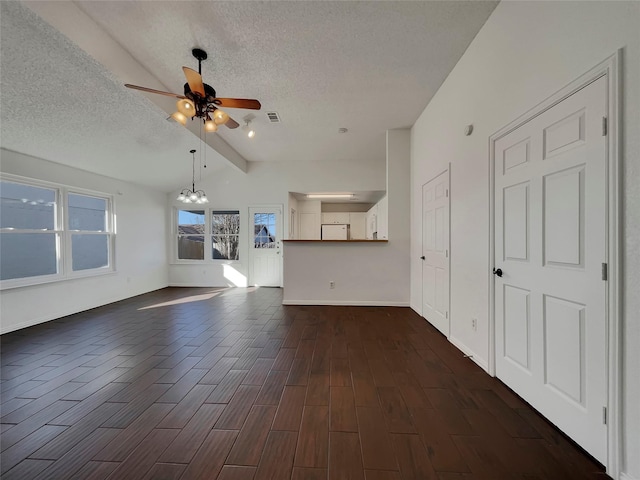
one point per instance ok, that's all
(229, 384)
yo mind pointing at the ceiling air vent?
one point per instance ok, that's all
(273, 117)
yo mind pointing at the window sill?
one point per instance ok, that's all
(35, 281)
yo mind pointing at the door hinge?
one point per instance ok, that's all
(447, 192)
(605, 272)
(605, 126)
(446, 253)
(604, 415)
(446, 315)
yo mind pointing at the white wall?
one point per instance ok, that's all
(141, 248)
(269, 183)
(364, 273)
(526, 52)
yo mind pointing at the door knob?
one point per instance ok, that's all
(422, 257)
(497, 271)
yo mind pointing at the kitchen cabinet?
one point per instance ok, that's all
(382, 219)
(358, 225)
(335, 218)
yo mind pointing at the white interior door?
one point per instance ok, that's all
(265, 246)
(435, 252)
(550, 242)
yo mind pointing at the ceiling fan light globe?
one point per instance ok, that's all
(204, 199)
(186, 107)
(180, 118)
(193, 197)
(210, 126)
(251, 133)
(220, 117)
(186, 200)
(181, 197)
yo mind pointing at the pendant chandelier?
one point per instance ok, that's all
(192, 195)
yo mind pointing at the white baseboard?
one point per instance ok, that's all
(470, 353)
(354, 303)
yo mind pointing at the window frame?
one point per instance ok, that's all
(208, 235)
(64, 233)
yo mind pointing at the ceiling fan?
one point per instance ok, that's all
(199, 99)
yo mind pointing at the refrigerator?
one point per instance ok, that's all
(335, 232)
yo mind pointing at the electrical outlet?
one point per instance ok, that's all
(332, 284)
(474, 324)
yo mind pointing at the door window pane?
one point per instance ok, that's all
(89, 251)
(27, 255)
(264, 230)
(24, 207)
(87, 213)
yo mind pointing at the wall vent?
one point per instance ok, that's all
(273, 117)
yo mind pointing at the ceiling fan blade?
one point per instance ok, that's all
(194, 79)
(238, 103)
(231, 123)
(151, 90)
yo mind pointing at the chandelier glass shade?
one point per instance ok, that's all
(191, 195)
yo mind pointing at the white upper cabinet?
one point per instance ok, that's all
(358, 225)
(335, 217)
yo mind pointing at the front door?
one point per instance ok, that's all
(435, 252)
(550, 242)
(265, 247)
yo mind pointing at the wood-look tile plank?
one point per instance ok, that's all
(74, 459)
(412, 457)
(313, 440)
(276, 461)
(209, 459)
(15, 454)
(182, 387)
(136, 407)
(340, 373)
(259, 371)
(190, 438)
(342, 410)
(301, 473)
(143, 457)
(87, 406)
(290, 409)
(96, 470)
(395, 410)
(284, 359)
(73, 435)
(235, 472)
(443, 453)
(377, 449)
(165, 471)
(27, 469)
(271, 391)
(381, 475)
(227, 387)
(218, 371)
(188, 406)
(251, 439)
(299, 373)
(345, 458)
(121, 446)
(236, 411)
(318, 389)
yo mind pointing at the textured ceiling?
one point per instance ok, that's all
(366, 66)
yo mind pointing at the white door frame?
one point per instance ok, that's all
(280, 235)
(611, 69)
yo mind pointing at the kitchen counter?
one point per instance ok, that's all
(337, 241)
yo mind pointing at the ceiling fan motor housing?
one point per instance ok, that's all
(203, 105)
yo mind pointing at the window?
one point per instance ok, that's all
(36, 246)
(214, 231)
(191, 234)
(225, 234)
